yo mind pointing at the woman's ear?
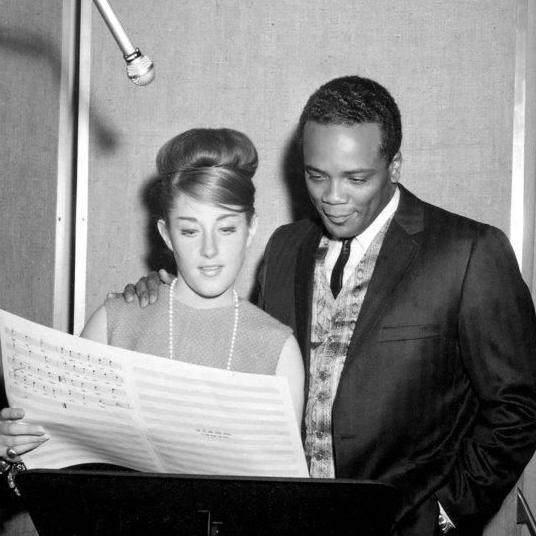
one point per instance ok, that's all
(252, 229)
(163, 230)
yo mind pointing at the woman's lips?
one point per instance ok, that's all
(211, 270)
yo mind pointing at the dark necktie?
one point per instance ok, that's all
(338, 269)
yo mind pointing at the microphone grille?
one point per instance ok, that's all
(140, 70)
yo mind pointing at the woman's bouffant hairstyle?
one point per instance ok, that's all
(211, 165)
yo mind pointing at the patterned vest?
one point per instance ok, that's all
(332, 326)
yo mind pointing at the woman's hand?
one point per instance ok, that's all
(17, 437)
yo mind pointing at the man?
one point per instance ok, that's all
(416, 328)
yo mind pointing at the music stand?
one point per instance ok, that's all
(96, 503)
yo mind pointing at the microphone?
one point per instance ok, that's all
(140, 69)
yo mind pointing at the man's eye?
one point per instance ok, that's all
(315, 176)
(228, 230)
(357, 179)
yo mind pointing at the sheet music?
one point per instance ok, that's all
(101, 404)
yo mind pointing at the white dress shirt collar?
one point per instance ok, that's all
(367, 236)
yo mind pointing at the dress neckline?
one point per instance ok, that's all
(180, 303)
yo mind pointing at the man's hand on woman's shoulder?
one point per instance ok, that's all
(146, 289)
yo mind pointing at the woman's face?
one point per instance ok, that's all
(209, 244)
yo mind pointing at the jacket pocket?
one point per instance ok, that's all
(412, 332)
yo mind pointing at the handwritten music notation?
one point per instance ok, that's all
(36, 366)
(101, 404)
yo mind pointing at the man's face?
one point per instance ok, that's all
(347, 178)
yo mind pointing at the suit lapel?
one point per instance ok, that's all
(400, 245)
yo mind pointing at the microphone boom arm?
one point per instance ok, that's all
(117, 30)
(140, 68)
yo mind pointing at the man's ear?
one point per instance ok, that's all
(394, 167)
(252, 229)
(163, 230)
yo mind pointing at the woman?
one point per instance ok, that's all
(206, 218)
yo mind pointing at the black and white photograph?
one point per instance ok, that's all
(268, 267)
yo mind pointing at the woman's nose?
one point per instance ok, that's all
(209, 247)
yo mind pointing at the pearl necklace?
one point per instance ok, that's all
(170, 325)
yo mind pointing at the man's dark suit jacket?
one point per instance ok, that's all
(438, 391)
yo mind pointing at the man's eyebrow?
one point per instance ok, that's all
(358, 171)
(346, 173)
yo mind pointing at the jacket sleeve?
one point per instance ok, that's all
(260, 284)
(497, 342)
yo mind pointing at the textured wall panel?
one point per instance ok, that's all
(252, 64)
(30, 47)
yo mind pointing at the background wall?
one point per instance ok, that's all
(30, 63)
(30, 55)
(251, 65)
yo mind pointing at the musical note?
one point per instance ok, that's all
(33, 365)
(109, 405)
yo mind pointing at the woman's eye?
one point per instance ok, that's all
(228, 230)
(188, 232)
(314, 177)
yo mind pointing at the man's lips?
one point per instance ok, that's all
(337, 218)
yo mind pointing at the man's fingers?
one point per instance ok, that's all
(142, 292)
(146, 289)
(153, 286)
(129, 292)
(165, 276)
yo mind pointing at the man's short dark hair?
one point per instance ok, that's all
(351, 100)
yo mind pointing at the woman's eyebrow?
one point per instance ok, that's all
(193, 219)
(312, 168)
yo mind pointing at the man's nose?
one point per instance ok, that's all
(333, 193)
(209, 247)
